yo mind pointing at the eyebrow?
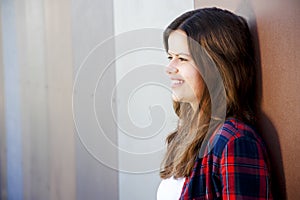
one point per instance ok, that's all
(178, 54)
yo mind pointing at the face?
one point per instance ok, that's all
(186, 82)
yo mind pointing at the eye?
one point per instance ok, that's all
(170, 57)
(183, 59)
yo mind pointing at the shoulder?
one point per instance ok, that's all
(233, 129)
(232, 133)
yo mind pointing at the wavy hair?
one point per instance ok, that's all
(218, 36)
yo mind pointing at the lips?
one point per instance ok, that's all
(176, 82)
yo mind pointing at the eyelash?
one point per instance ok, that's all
(181, 59)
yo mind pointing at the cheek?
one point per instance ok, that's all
(194, 79)
(200, 86)
(197, 85)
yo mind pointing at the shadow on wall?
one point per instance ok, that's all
(264, 124)
(270, 136)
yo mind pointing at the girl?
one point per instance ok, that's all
(215, 152)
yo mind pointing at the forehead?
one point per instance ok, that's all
(177, 42)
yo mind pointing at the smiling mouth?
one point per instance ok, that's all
(176, 83)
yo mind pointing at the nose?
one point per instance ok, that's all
(171, 68)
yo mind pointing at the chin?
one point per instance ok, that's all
(176, 98)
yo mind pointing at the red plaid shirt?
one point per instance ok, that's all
(235, 168)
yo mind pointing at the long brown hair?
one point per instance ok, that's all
(222, 39)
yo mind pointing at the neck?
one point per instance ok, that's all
(194, 106)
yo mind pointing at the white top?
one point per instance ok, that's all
(170, 189)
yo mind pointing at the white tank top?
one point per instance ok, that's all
(170, 189)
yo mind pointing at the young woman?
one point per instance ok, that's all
(215, 152)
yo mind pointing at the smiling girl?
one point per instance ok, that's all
(215, 152)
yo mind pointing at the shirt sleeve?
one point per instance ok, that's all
(244, 171)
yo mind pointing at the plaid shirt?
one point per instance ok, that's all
(235, 168)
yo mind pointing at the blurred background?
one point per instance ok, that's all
(85, 106)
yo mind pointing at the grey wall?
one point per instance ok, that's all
(37, 88)
(3, 187)
(84, 103)
(96, 159)
(145, 114)
(11, 102)
(44, 43)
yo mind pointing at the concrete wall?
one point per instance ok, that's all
(92, 23)
(3, 183)
(39, 156)
(276, 30)
(43, 44)
(72, 74)
(145, 114)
